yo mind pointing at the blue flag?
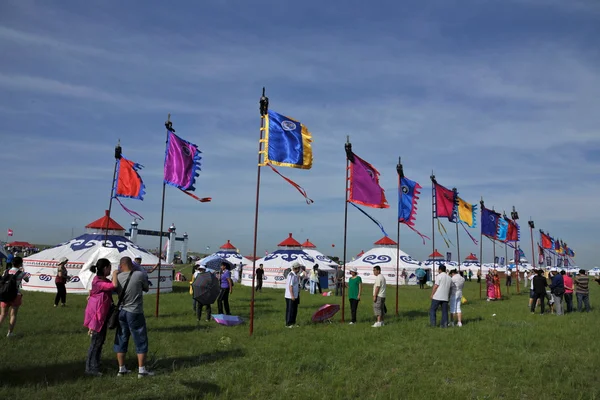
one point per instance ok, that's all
(288, 142)
(407, 201)
(502, 229)
(489, 223)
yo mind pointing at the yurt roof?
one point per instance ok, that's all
(101, 223)
(385, 241)
(471, 257)
(320, 257)
(228, 246)
(290, 242)
(436, 254)
(308, 245)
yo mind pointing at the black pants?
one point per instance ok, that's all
(291, 311)
(92, 364)
(338, 288)
(61, 294)
(569, 301)
(259, 284)
(199, 308)
(223, 301)
(353, 308)
(319, 287)
(542, 298)
(508, 281)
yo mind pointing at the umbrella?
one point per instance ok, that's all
(420, 273)
(228, 320)
(214, 262)
(206, 288)
(326, 312)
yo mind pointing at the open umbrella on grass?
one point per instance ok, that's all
(325, 313)
(206, 288)
(214, 263)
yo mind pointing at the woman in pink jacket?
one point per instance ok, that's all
(96, 313)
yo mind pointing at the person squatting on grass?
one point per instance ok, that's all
(354, 291)
(292, 296)
(458, 282)
(131, 317)
(440, 294)
(226, 289)
(379, 289)
(96, 313)
(20, 275)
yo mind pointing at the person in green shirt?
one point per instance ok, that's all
(354, 291)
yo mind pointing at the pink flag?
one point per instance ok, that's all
(9, 232)
(364, 184)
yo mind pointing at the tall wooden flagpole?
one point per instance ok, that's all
(264, 109)
(531, 227)
(348, 148)
(433, 215)
(481, 249)
(506, 264)
(515, 216)
(400, 176)
(112, 191)
(169, 127)
(457, 236)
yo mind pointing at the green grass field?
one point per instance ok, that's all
(514, 355)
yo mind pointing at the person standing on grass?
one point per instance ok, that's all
(404, 276)
(379, 289)
(61, 279)
(440, 294)
(292, 296)
(509, 277)
(354, 292)
(131, 317)
(200, 269)
(458, 283)
(489, 283)
(568, 282)
(16, 269)
(530, 275)
(582, 285)
(557, 288)
(339, 281)
(96, 312)
(226, 290)
(260, 273)
(314, 279)
(539, 283)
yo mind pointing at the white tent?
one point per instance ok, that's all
(384, 255)
(89, 247)
(230, 253)
(320, 258)
(276, 263)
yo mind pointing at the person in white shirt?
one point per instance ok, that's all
(440, 294)
(458, 282)
(292, 296)
(378, 296)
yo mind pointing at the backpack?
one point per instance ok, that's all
(8, 287)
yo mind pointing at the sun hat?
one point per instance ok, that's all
(296, 265)
(63, 260)
(354, 269)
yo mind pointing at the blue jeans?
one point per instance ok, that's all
(131, 324)
(581, 300)
(92, 363)
(432, 313)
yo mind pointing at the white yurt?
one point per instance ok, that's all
(276, 263)
(96, 243)
(385, 255)
(471, 263)
(321, 258)
(436, 259)
(230, 253)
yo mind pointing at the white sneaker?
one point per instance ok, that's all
(376, 325)
(351, 323)
(10, 334)
(459, 324)
(124, 372)
(145, 374)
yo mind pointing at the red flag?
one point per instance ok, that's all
(512, 234)
(9, 232)
(546, 241)
(445, 201)
(364, 184)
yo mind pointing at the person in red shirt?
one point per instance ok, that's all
(568, 282)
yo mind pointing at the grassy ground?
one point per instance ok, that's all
(514, 355)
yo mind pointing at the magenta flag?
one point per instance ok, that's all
(182, 163)
(364, 184)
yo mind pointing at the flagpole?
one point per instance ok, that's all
(531, 226)
(515, 216)
(112, 191)
(400, 175)
(264, 110)
(169, 128)
(457, 237)
(481, 249)
(433, 212)
(348, 148)
(505, 261)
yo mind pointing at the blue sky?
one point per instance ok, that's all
(498, 98)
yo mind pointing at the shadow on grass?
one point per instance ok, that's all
(60, 373)
(200, 390)
(193, 326)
